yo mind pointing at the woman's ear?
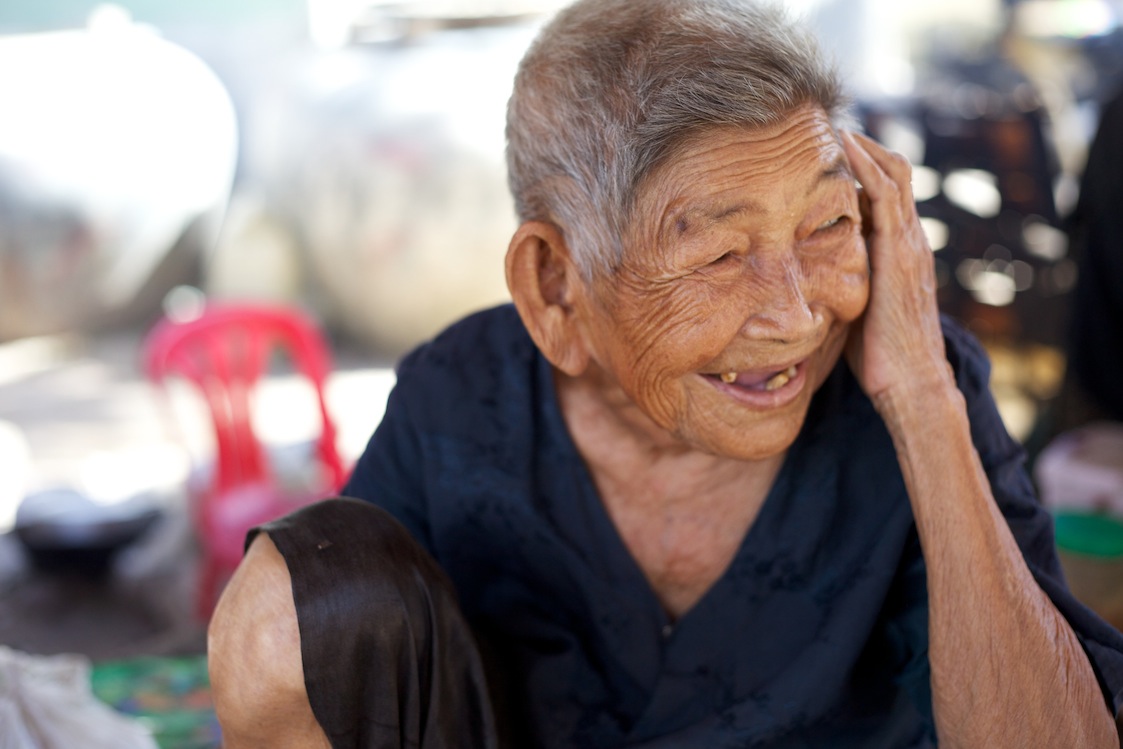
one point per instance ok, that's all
(544, 285)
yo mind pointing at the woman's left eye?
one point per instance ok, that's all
(832, 223)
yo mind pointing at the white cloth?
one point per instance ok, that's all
(46, 703)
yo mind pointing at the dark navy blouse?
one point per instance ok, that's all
(815, 636)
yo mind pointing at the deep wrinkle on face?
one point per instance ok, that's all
(746, 257)
(707, 216)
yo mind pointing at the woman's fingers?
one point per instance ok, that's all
(875, 180)
(900, 327)
(893, 165)
(885, 178)
(879, 174)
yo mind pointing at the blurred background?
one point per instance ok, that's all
(344, 158)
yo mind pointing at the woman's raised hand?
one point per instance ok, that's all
(896, 348)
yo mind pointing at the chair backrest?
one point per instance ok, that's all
(225, 352)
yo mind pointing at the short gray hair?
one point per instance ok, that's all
(610, 89)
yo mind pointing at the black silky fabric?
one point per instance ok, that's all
(388, 661)
(816, 634)
(1096, 228)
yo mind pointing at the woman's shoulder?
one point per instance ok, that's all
(482, 361)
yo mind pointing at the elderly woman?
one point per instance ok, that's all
(720, 477)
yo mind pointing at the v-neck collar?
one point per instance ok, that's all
(585, 521)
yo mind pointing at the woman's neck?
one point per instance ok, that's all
(623, 447)
(681, 513)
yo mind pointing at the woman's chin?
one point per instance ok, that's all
(762, 440)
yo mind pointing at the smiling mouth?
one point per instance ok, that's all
(775, 381)
(766, 382)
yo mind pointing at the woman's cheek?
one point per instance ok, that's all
(855, 293)
(844, 281)
(853, 275)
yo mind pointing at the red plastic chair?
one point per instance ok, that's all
(225, 352)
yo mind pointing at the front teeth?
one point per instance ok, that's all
(779, 380)
(775, 382)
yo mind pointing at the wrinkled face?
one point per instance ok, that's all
(733, 300)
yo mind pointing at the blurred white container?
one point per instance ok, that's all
(113, 142)
(385, 161)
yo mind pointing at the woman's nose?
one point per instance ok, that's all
(779, 308)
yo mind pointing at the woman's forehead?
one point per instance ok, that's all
(732, 173)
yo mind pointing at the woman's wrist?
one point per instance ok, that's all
(922, 401)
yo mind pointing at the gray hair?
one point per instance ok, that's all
(611, 88)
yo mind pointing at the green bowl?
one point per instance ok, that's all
(1091, 534)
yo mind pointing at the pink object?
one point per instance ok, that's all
(1083, 470)
(225, 352)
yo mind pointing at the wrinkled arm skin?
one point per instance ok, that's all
(1007, 670)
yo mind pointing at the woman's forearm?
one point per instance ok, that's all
(1007, 670)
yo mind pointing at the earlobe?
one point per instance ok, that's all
(543, 282)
